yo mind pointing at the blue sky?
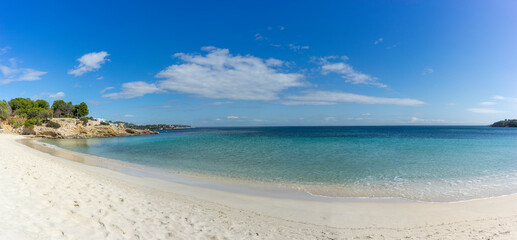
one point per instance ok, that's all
(244, 63)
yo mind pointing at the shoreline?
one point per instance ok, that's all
(215, 182)
(216, 213)
(261, 188)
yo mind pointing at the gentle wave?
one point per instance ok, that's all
(418, 163)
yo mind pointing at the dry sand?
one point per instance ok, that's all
(47, 197)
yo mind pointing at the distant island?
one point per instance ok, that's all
(505, 123)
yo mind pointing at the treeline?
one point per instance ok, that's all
(505, 123)
(39, 111)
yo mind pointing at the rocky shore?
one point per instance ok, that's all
(505, 123)
(75, 128)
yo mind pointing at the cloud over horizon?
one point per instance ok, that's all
(334, 97)
(89, 62)
(219, 75)
(346, 71)
(484, 110)
(133, 89)
(13, 73)
(57, 95)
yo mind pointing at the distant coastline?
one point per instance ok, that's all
(505, 123)
(158, 126)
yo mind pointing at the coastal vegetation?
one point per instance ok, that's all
(5, 110)
(53, 124)
(65, 120)
(27, 112)
(59, 120)
(505, 123)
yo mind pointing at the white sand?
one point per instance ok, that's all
(46, 197)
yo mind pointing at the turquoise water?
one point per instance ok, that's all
(421, 163)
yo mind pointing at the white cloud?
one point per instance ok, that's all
(330, 119)
(281, 28)
(89, 62)
(258, 36)
(4, 50)
(484, 110)
(487, 103)
(128, 116)
(232, 117)
(222, 103)
(297, 47)
(105, 89)
(501, 98)
(347, 72)
(100, 78)
(415, 119)
(379, 40)
(366, 114)
(296, 103)
(419, 120)
(14, 74)
(274, 62)
(97, 103)
(427, 70)
(159, 107)
(330, 97)
(29, 74)
(220, 75)
(133, 89)
(57, 95)
(391, 47)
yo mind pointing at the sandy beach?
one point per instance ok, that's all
(48, 197)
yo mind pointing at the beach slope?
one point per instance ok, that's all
(47, 197)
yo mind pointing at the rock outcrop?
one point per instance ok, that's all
(75, 128)
(505, 123)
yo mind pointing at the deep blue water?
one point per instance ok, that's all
(424, 163)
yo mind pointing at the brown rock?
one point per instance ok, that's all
(74, 128)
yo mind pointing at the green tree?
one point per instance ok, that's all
(21, 103)
(5, 110)
(42, 104)
(81, 110)
(69, 109)
(38, 114)
(62, 109)
(57, 107)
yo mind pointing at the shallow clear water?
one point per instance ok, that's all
(421, 163)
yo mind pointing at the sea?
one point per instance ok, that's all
(416, 163)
